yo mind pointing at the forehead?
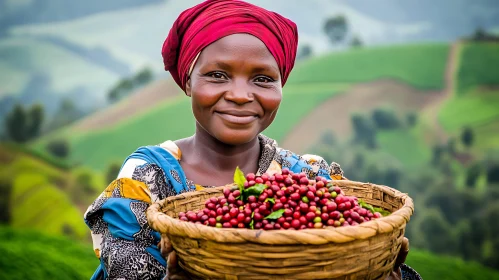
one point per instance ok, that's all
(238, 47)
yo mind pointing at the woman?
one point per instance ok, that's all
(232, 59)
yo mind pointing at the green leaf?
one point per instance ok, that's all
(255, 190)
(275, 215)
(382, 211)
(239, 179)
(366, 205)
(373, 210)
(272, 200)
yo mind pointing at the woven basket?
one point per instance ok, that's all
(365, 251)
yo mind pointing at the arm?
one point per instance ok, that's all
(124, 243)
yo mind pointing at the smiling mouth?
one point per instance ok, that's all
(237, 119)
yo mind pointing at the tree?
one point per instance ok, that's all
(385, 119)
(143, 77)
(356, 42)
(5, 190)
(112, 172)
(467, 137)
(336, 28)
(472, 174)
(58, 148)
(304, 51)
(438, 233)
(493, 173)
(35, 117)
(23, 125)
(327, 138)
(15, 124)
(411, 119)
(364, 131)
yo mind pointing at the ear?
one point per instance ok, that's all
(188, 87)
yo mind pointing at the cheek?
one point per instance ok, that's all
(204, 96)
(270, 102)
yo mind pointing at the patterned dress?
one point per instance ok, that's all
(122, 239)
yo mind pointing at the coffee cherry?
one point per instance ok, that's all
(250, 176)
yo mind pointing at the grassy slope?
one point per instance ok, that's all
(27, 254)
(474, 105)
(33, 255)
(431, 266)
(405, 146)
(21, 57)
(37, 200)
(478, 66)
(421, 66)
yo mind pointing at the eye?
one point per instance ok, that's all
(263, 79)
(217, 75)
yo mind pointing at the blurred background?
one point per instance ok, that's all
(402, 93)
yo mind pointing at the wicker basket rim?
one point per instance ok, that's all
(162, 222)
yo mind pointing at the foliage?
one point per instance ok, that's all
(24, 124)
(112, 172)
(58, 148)
(411, 119)
(336, 28)
(467, 136)
(5, 190)
(126, 86)
(355, 42)
(304, 51)
(385, 118)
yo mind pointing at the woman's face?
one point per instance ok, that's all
(235, 88)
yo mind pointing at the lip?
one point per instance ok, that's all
(237, 117)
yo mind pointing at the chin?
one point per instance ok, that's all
(235, 137)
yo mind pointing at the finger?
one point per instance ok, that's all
(172, 263)
(404, 251)
(166, 247)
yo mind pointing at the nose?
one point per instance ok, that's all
(239, 92)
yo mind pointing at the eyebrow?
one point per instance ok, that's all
(261, 68)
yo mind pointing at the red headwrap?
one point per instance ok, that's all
(211, 20)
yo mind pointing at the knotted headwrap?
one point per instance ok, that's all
(211, 20)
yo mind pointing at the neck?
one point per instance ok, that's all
(223, 157)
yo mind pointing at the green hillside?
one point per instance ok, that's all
(478, 66)
(33, 255)
(28, 254)
(475, 102)
(22, 57)
(45, 197)
(431, 266)
(421, 66)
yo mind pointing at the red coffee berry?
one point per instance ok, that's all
(250, 176)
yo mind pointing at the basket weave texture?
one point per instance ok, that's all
(365, 251)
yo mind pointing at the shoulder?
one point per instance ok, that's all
(313, 165)
(141, 162)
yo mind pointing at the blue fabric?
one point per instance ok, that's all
(120, 219)
(166, 161)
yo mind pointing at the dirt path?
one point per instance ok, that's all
(140, 101)
(432, 110)
(335, 113)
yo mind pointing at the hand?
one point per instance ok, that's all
(175, 272)
(396, 274)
